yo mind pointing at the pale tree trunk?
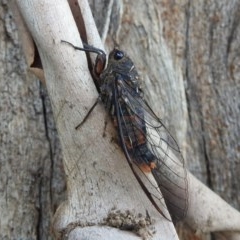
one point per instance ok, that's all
(192, 81)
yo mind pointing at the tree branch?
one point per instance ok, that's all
(98, 176)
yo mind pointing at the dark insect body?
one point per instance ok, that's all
(145, 140)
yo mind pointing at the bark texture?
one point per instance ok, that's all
(32, 179)
(202, 105)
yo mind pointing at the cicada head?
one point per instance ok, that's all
(118, 60)
(120, 63)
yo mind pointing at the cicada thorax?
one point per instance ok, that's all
(120, 72)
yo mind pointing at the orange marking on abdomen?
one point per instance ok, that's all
(147, 168)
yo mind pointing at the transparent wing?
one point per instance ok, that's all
(145, 139)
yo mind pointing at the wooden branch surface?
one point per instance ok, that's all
(98, 176)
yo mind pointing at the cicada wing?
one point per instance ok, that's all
(138, 105)
(170, 172)
(152, 194)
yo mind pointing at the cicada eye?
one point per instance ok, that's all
(118, 55)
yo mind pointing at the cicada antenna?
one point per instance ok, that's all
(86, 48)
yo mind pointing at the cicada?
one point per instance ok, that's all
(145, 140)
